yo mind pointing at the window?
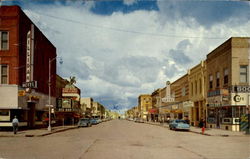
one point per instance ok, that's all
(195, 87)
(200, 86)
(218, 79)
(211, 81)
(183, 91)
(192, 89)
(4, 38)
(243, 73)
(226, 76)
(4, 74)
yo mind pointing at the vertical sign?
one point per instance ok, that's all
(28, 60)
(29, 56)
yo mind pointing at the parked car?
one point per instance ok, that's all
(93, 121)
(84, 122)
(179, 124)
(98, 120)
(139, 120)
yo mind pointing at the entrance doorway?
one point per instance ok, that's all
(31, 114)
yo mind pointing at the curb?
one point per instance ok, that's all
(39, 135)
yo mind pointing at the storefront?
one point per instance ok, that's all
(225, 111)
(153, 114)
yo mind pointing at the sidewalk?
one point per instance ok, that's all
(208, 132)
(36, 132)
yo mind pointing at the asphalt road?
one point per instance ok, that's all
(121, 139)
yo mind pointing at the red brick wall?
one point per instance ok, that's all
(18, 24)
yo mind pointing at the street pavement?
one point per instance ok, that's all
(45, 132)
(123, 140)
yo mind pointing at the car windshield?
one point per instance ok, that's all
(84, 119)
(180, 121)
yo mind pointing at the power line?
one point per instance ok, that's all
(124, 30)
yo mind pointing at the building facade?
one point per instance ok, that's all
(24, 52)
(197, 93)
(144, 104)
(87, 106)
(228, 85)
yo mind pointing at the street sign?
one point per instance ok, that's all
(31, 84)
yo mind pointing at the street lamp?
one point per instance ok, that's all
(50, 61)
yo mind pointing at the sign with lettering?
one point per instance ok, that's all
(239, 99)
(240, 89)
(29, 56)
(30, 84)
(70, 90)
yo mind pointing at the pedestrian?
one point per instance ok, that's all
(15, 123)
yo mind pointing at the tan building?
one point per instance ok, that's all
(154, 111)
(180, 92)
(86, 106)
(98, 110)
(228, 84)
(144, 104)
(197, 93)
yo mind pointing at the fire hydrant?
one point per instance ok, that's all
(203, 130)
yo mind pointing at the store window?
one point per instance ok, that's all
(225, 76)
(210, 81)
(218, 79)
(243, 73)
(3, 74)
(4, 38)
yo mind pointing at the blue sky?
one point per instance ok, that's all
(120, 49)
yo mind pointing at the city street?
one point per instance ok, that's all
(125, 140)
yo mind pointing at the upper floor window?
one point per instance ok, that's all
(226, 76)
(243, 73)
(4, 40)
(192, 89)
(218, 79)
(3, 74)
(210, 81)
(195, 86)
(200, 85)
(183, 91)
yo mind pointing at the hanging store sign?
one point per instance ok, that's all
(30, 84)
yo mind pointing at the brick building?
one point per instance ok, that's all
(24, 62)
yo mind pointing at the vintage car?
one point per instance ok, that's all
(179, 124)
(84, 122)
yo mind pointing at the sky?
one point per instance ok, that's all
(118, 50)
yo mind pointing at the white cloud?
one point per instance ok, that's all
(115, 58)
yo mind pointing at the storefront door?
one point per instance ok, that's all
(31, 114)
